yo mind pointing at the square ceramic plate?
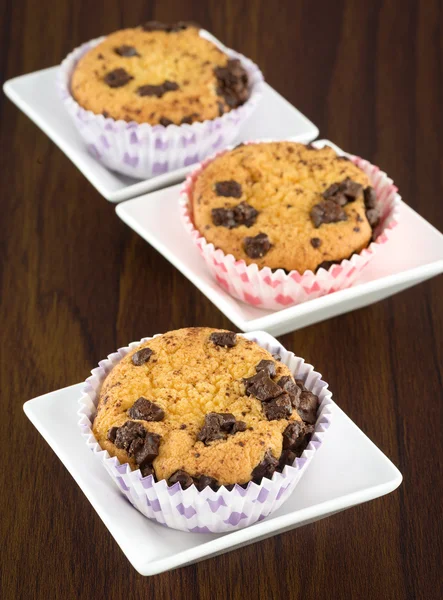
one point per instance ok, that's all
(347, 470)
(414, 254)
(37, 96)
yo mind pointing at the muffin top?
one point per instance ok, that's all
(203, 406)
(159, 74)
(284, 205)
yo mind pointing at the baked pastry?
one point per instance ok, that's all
(284, 205)
(159, 74)
(204, 406)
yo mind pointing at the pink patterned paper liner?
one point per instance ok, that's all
(207, 511)
(275, 290)
(141, 150)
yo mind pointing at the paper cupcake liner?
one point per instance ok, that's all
(142, 150)
(207, 511)
(278, 289)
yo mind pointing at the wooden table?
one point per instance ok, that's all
(76, 283)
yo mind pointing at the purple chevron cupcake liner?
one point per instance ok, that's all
(207, 511)
(141, 150)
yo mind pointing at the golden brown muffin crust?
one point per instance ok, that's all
(283, 181)
(189, 376)
(153, 77)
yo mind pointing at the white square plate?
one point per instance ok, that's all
(347, 470)
(413, 254)
(37, 96)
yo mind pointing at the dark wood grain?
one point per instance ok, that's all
(76, 283)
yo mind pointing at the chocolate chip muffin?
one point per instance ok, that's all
(285, 205)
(159, 74)
(206, 407)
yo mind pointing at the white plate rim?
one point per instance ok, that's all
(273, 319)
(227, 541)
(138, 187)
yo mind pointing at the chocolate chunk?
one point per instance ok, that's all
(296, 437)
(221, 108)
(373, 217)
(303, 443)
(145, 410)
(348, 188)
(135, 446)
(157, 90)
(223, 217)
(189, 118)
(127, 433)
(145, 451)
(266, 365)
(287, 383)
(142, 356)
(341, 199)
(289, 386)
(266, 468)
(278, 408)
(228, 189)
(245, 214)
(307, 407)
(211, 430)
(218, 425)
(148, 470)
(226, 339)
(227, 421)
(205, 481)
(165, 121)
(351, 189)
(287, 457)
(126, 51)
(327, 211)
(232, 83)
(258, 246)
(117, 78)
(316, 242)
(112, 433)
(239, 426)
(327, 264)
(170, 86)
(372, 212)
(181, 477)
(332, 190)
(242, 214)
(370, 197)
(301, 385)
(261, 387)
(231, 486)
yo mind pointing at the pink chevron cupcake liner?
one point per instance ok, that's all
(207, 511)
(278, 289)
(141, 150)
